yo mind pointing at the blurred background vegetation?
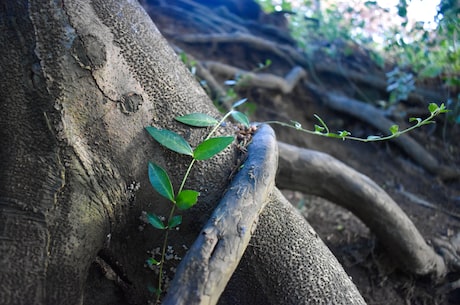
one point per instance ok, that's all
(414, 41)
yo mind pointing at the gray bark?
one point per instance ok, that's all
(83, 80)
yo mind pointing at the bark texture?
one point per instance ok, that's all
(84, 78)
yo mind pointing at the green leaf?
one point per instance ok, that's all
(170, 140)
(419, 120)
(186, 199)
(160, 181)
(155, 221)
(152, 262)
(324, 126)
(241, 118)
(432, 107)
(211, 147)
(394, 129)
(175, 221)
(197, 120)
(344, 133)
(239, 103)
(319, 129)
(431, 71)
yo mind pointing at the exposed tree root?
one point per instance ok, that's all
(260, 80)
(294, 258)
(295, 57)
(363, 111)
(373, 116)
(284, 52)
(320, 174)
(212, 259)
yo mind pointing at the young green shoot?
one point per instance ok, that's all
(184, 199)
(323, 130)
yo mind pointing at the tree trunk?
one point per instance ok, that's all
(83, 80)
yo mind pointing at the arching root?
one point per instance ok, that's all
(322, 175)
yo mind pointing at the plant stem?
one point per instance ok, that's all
(163, 254)
(368, 139)
(218, 124)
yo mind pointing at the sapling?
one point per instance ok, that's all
(184, 199)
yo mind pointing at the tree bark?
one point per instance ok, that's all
(84, 78)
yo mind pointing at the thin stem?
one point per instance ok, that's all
(218, 124)
(368, 139)
(163, 254)
(187, 173)
(171, 213)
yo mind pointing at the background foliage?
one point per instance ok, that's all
(410, 51)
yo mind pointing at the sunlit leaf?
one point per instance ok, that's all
(373, 138)
(344, 133)
(197, 120)
(241, 118)
(322, 123)
(432, 107)
(394, 129)
(211, 147)
(155, 221)
(319, 128)
(160, 181)
(186, 199)
(175, 221)
(170, 140)
(415, 119)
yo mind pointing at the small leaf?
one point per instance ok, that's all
(152, 262)
(186, 199)
(344, 134)
(322, 123)
(443, 109)
(155, 221)
(197, 120)
(239, 103)
(394, 129)
(170, 140)
(211, 147)
(373, 138)
(319, 129)
(160, 181)
(241, 118)
(419, 120)
(433, 107)
(175, 221)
